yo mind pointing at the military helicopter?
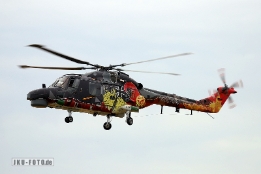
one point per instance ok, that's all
(110, 92)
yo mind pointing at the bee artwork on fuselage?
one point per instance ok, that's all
(110, 92)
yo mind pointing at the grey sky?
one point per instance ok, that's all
(221, 34)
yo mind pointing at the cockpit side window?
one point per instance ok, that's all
(76, 83)
(71, 81)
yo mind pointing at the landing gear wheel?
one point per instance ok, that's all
(107, 125)
(66, 120)
(70, 118)
(129, 121)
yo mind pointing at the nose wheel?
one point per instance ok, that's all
(129, 120)
(69, 119)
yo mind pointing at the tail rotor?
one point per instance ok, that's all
(238, 84)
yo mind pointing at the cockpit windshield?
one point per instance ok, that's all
(61, 82)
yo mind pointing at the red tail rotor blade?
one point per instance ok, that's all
(238, 84)
(231, 103)
(230, 100)
(232, 106)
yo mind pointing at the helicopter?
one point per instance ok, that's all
(109, 91)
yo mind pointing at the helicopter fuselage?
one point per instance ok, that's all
(114, 93)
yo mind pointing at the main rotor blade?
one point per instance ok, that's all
(222, 75)
(177, 55)
(147, 72)
(238, 84)
(57, 68)
(61, 55)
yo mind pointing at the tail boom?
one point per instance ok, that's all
(211, 104)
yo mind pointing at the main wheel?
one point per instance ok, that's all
(129, 121)
(107, 125)
(66, 120)
(70, 118)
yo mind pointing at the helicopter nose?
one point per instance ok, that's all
(39, 93)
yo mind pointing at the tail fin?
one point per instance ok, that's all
(215, 102)
(211, 104)
(218, 99)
